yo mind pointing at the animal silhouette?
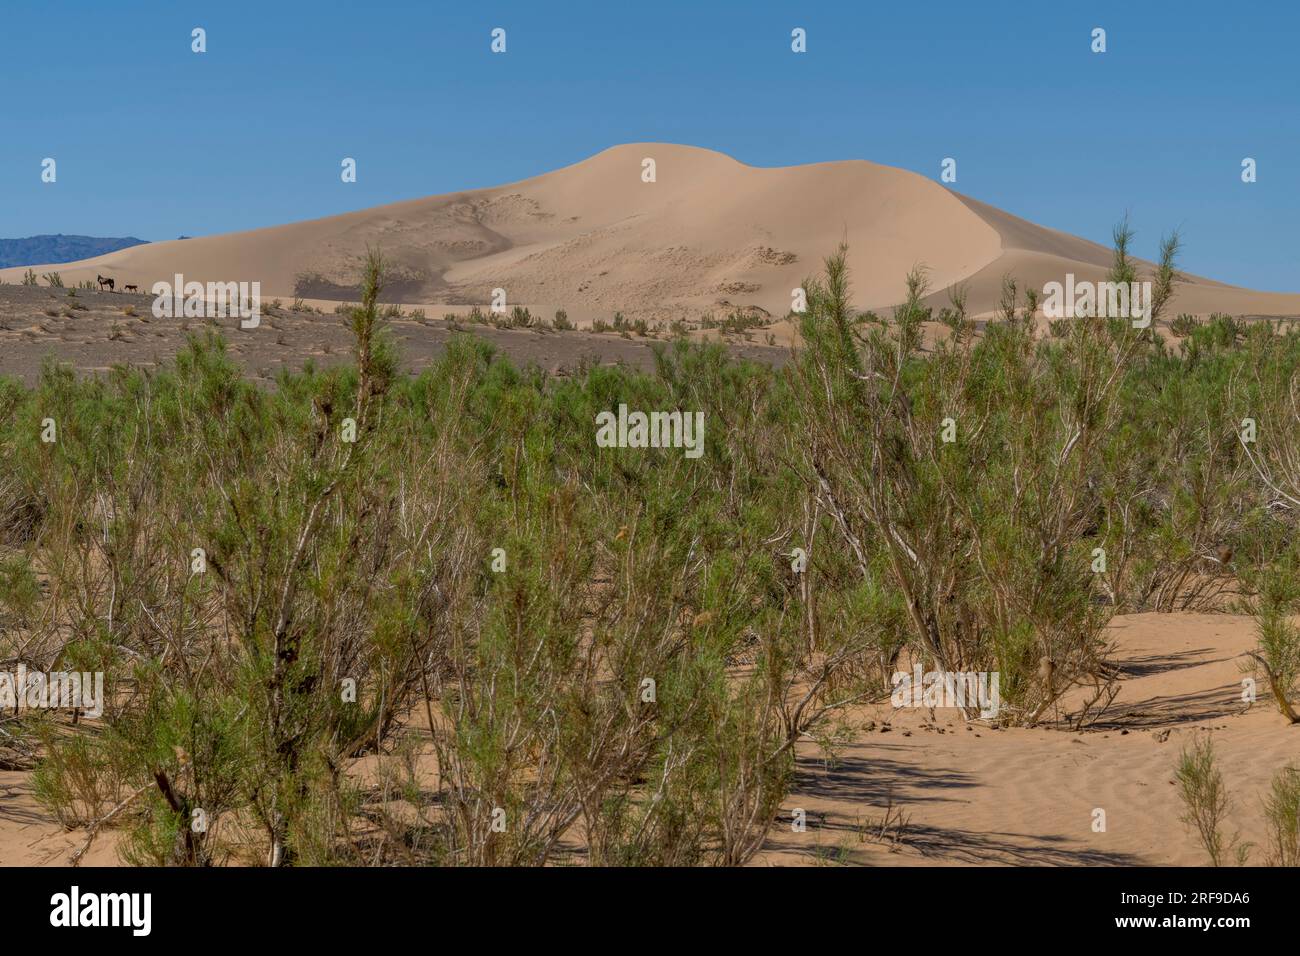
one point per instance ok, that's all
(104, 282)
(130, 288)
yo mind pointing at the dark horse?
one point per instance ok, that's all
(104, 282)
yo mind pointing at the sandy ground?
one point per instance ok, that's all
(92, 332)
(974, 796)
(710, 235)
(96, 330)
(971, 795)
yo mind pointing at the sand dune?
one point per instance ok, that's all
(709, 235)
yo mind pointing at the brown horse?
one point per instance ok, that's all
(104, 282)
(130, 288)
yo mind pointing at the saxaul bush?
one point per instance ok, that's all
(967, 482)
(1267, 434)
(639, 677)
(1176, 490)
(1206, 806)
(977, 536)
(221, 549)
(1205, 802)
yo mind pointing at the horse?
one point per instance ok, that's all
(104, 282)
(130, 288)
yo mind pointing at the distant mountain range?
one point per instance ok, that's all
(43, 250)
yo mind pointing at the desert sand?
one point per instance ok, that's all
(969, 794)
(95, 331)
(709, 236)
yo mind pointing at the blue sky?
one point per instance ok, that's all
(155, 141)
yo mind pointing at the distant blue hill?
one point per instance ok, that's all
(38, 250)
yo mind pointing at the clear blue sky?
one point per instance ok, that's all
(155, 141)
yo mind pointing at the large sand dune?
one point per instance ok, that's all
(708, 235)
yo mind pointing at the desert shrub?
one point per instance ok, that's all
(53, 280)
(1206, 805)
(1282, 815)
(970, 483)
(1220, 331)
(954, 316)
(20, 590)
(1278, 648)
(562, 323)
(77, 779)
(1205, 801)
(1177, 492)
(983, 539)
(159, 504)
(1266, 429)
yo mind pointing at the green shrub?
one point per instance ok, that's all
(1205, 801)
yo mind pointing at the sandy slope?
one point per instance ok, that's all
(708, 235)
(1035, 256)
